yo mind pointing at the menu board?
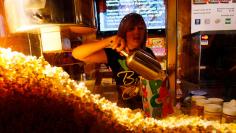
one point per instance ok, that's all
(112, 11)
(209, 15)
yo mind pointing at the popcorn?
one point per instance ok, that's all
(28, 75)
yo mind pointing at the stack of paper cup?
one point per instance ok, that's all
(218, 101)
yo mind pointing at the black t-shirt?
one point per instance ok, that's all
(121, 73)
(125, 78)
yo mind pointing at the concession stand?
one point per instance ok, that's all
(44, 89)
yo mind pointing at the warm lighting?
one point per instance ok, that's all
(2, 28)
(14, 9)
(47, 18)
(28, 15)
(31, 15)
(51, 38)
(24, 16)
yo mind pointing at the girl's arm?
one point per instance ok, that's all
(93, 52)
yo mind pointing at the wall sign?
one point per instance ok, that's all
(209, 15)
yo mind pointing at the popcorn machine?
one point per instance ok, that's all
(48, 24)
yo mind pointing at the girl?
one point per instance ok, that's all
(131, 35)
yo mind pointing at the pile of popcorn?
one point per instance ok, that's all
(30, 76)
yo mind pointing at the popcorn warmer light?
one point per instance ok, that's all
(37, 97)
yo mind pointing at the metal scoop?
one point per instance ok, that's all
(144, 64)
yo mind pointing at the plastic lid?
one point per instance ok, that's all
(197, 97)
(229, 104)
(226, 104)
(201, 102)
(233, 102)
(212, 108)
(229, 111)
(215, 100)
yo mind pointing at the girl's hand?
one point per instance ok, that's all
(118, 43)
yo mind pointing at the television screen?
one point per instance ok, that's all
(110, 13)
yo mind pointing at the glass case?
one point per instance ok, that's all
(210, 63)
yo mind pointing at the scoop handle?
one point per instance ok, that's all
(124, 53)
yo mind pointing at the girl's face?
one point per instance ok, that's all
(135, 36)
